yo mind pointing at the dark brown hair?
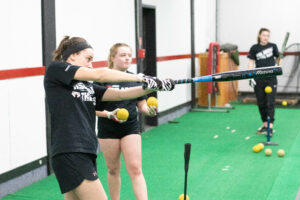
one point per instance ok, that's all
(113, 51)
(260, 31)
(66, 42)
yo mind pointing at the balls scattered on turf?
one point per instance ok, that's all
(268, 89)
(284, 103)
(280, 153)
(152, 101)
(268, 152)
(122, 114)
(181, 197)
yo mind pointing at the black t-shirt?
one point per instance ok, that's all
(107, 125)
(264, 56)
(72, 109)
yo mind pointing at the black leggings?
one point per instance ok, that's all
(266, 102)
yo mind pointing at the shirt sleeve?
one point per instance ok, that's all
(142, 97)
(99, 92)
(61, 72)
(252, 53)
(275, 51)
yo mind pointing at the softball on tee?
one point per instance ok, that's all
(122, 114)
(181, 197)
(268, 89)
(152, 101)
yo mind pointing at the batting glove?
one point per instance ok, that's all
(152, 111)
(252, 83)
(113, 116)
(167, 85)
(151, 83)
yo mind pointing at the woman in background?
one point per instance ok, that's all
(264, 54)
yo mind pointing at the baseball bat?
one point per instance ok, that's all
(261, 72)
(187, 152)
(287, 35)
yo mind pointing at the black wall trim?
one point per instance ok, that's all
(49, 45)
(48, 30)
(22, 169)
(193, 88)
(138, 32)
(138, 45)
(171, 110)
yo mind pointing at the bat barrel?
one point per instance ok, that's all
(262, 72)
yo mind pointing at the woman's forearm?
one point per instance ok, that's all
(143, 107)
(103, 113)
(251, 64)
(120, 95)
(104, 75)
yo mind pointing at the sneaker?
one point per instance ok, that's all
(262, 130)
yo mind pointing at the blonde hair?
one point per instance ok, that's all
(113, 52)
(66, 42)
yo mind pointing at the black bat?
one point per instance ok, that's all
(261, 72)
(187, 152)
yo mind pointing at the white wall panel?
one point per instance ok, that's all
(23, 137)
(102, 23)
(27, 120)
(176, 69)
(205, 24)
(20, 23)
(4, 128)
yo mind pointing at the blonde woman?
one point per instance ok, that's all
(117, 137)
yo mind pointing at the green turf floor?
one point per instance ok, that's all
(222, 164)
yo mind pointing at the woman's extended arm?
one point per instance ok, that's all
(112, 94)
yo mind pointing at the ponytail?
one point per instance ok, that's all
(66, 42)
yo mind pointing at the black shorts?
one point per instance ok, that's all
(105, 134)
(72, 168)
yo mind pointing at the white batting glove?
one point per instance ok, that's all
(252, 83)
(152, 111)
(167, 85)
(151, 83)
(113, 116)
